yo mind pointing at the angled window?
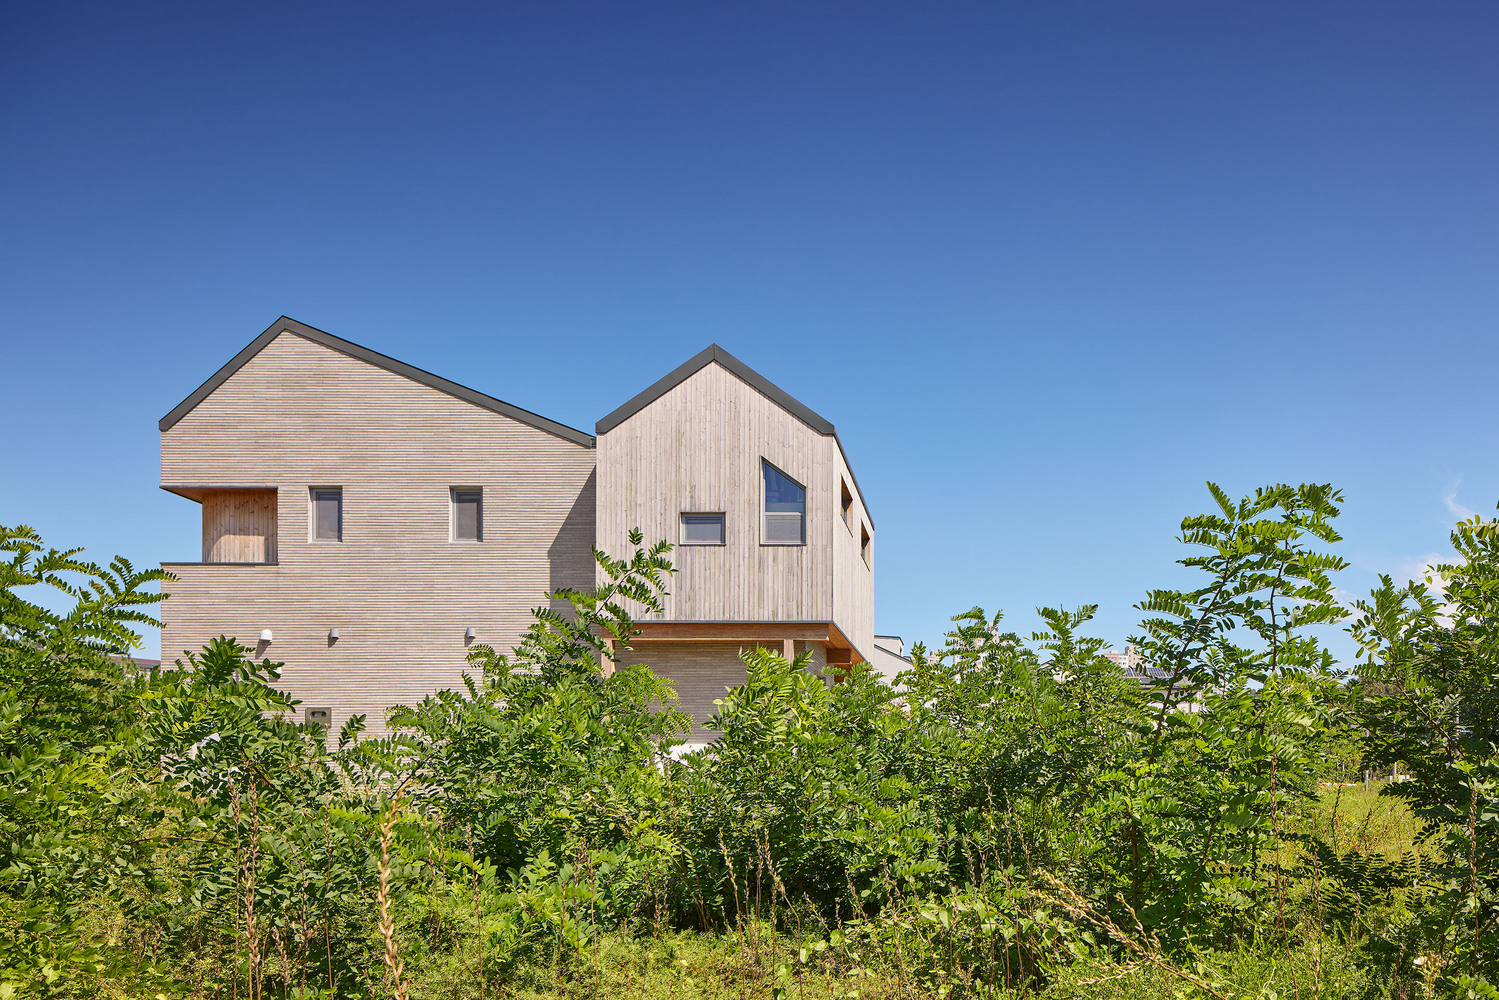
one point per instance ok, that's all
(468, 514)
(702, 529)
(864, 543)
(785, 509)
(846, 506)
(327, 514)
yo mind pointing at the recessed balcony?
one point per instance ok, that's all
(239, 523)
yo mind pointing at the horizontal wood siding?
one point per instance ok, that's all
(698, 449)
(703, 671)
(398, 590)
(239, 526)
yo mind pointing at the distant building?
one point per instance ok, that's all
(1137, 669)
(889, 657)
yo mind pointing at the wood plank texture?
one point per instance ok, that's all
(699, 448)
(853, 578)
(239, 526)
(771, 632)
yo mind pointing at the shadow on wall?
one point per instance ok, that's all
(570, 556)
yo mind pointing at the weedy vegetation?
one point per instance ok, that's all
(1014, 817)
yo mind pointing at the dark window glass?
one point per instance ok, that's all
(702, 529)
(864, 542)
(328, 515)
(468, 515)
(785, 508)
(847, 505)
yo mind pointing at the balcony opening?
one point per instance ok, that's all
(239, 525)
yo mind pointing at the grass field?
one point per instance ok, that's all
(1354, 819)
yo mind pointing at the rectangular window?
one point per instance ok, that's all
(702, 529)
(785, 509)
(847, 506)
(327, 514)
(864, 543)
(468, 514)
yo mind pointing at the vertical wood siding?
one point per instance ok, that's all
(398, 590)
(698, 448)
(853, 578)
(239, 526)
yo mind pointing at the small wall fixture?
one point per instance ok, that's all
(333, 635)
(469, 635)
(265, 635)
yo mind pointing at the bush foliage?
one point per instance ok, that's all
(1014, 815)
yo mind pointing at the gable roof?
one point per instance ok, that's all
(285, 325)
(713, 354)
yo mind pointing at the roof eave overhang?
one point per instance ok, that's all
(353, 350)
(713, 354)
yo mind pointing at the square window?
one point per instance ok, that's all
(785, 509)
(327, 514)
(468, 514)
(702, 529)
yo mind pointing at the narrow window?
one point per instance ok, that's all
(468, 514)
(785, 509)
(846, 505)
(702, 529)
(327, 514)
(864, 543)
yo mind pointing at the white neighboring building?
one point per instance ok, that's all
(889, 657)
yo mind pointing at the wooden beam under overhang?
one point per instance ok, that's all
(198, 493)
(767, 632)
(839, 649)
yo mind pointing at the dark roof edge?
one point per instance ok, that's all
(749, 377)
(738, 368)
(353, 350)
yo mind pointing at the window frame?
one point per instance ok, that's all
(312, 513)
(866, 545)
(723, 527)
(765, 513)
(846, 505)
(453, 501)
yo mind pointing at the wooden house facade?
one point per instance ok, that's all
(365, 521)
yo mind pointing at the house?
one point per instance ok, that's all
(365, 521)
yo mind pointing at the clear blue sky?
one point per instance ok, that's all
(1048, 267)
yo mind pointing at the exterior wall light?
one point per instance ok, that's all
(470, 634)
(265, 635)
(333, 635)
